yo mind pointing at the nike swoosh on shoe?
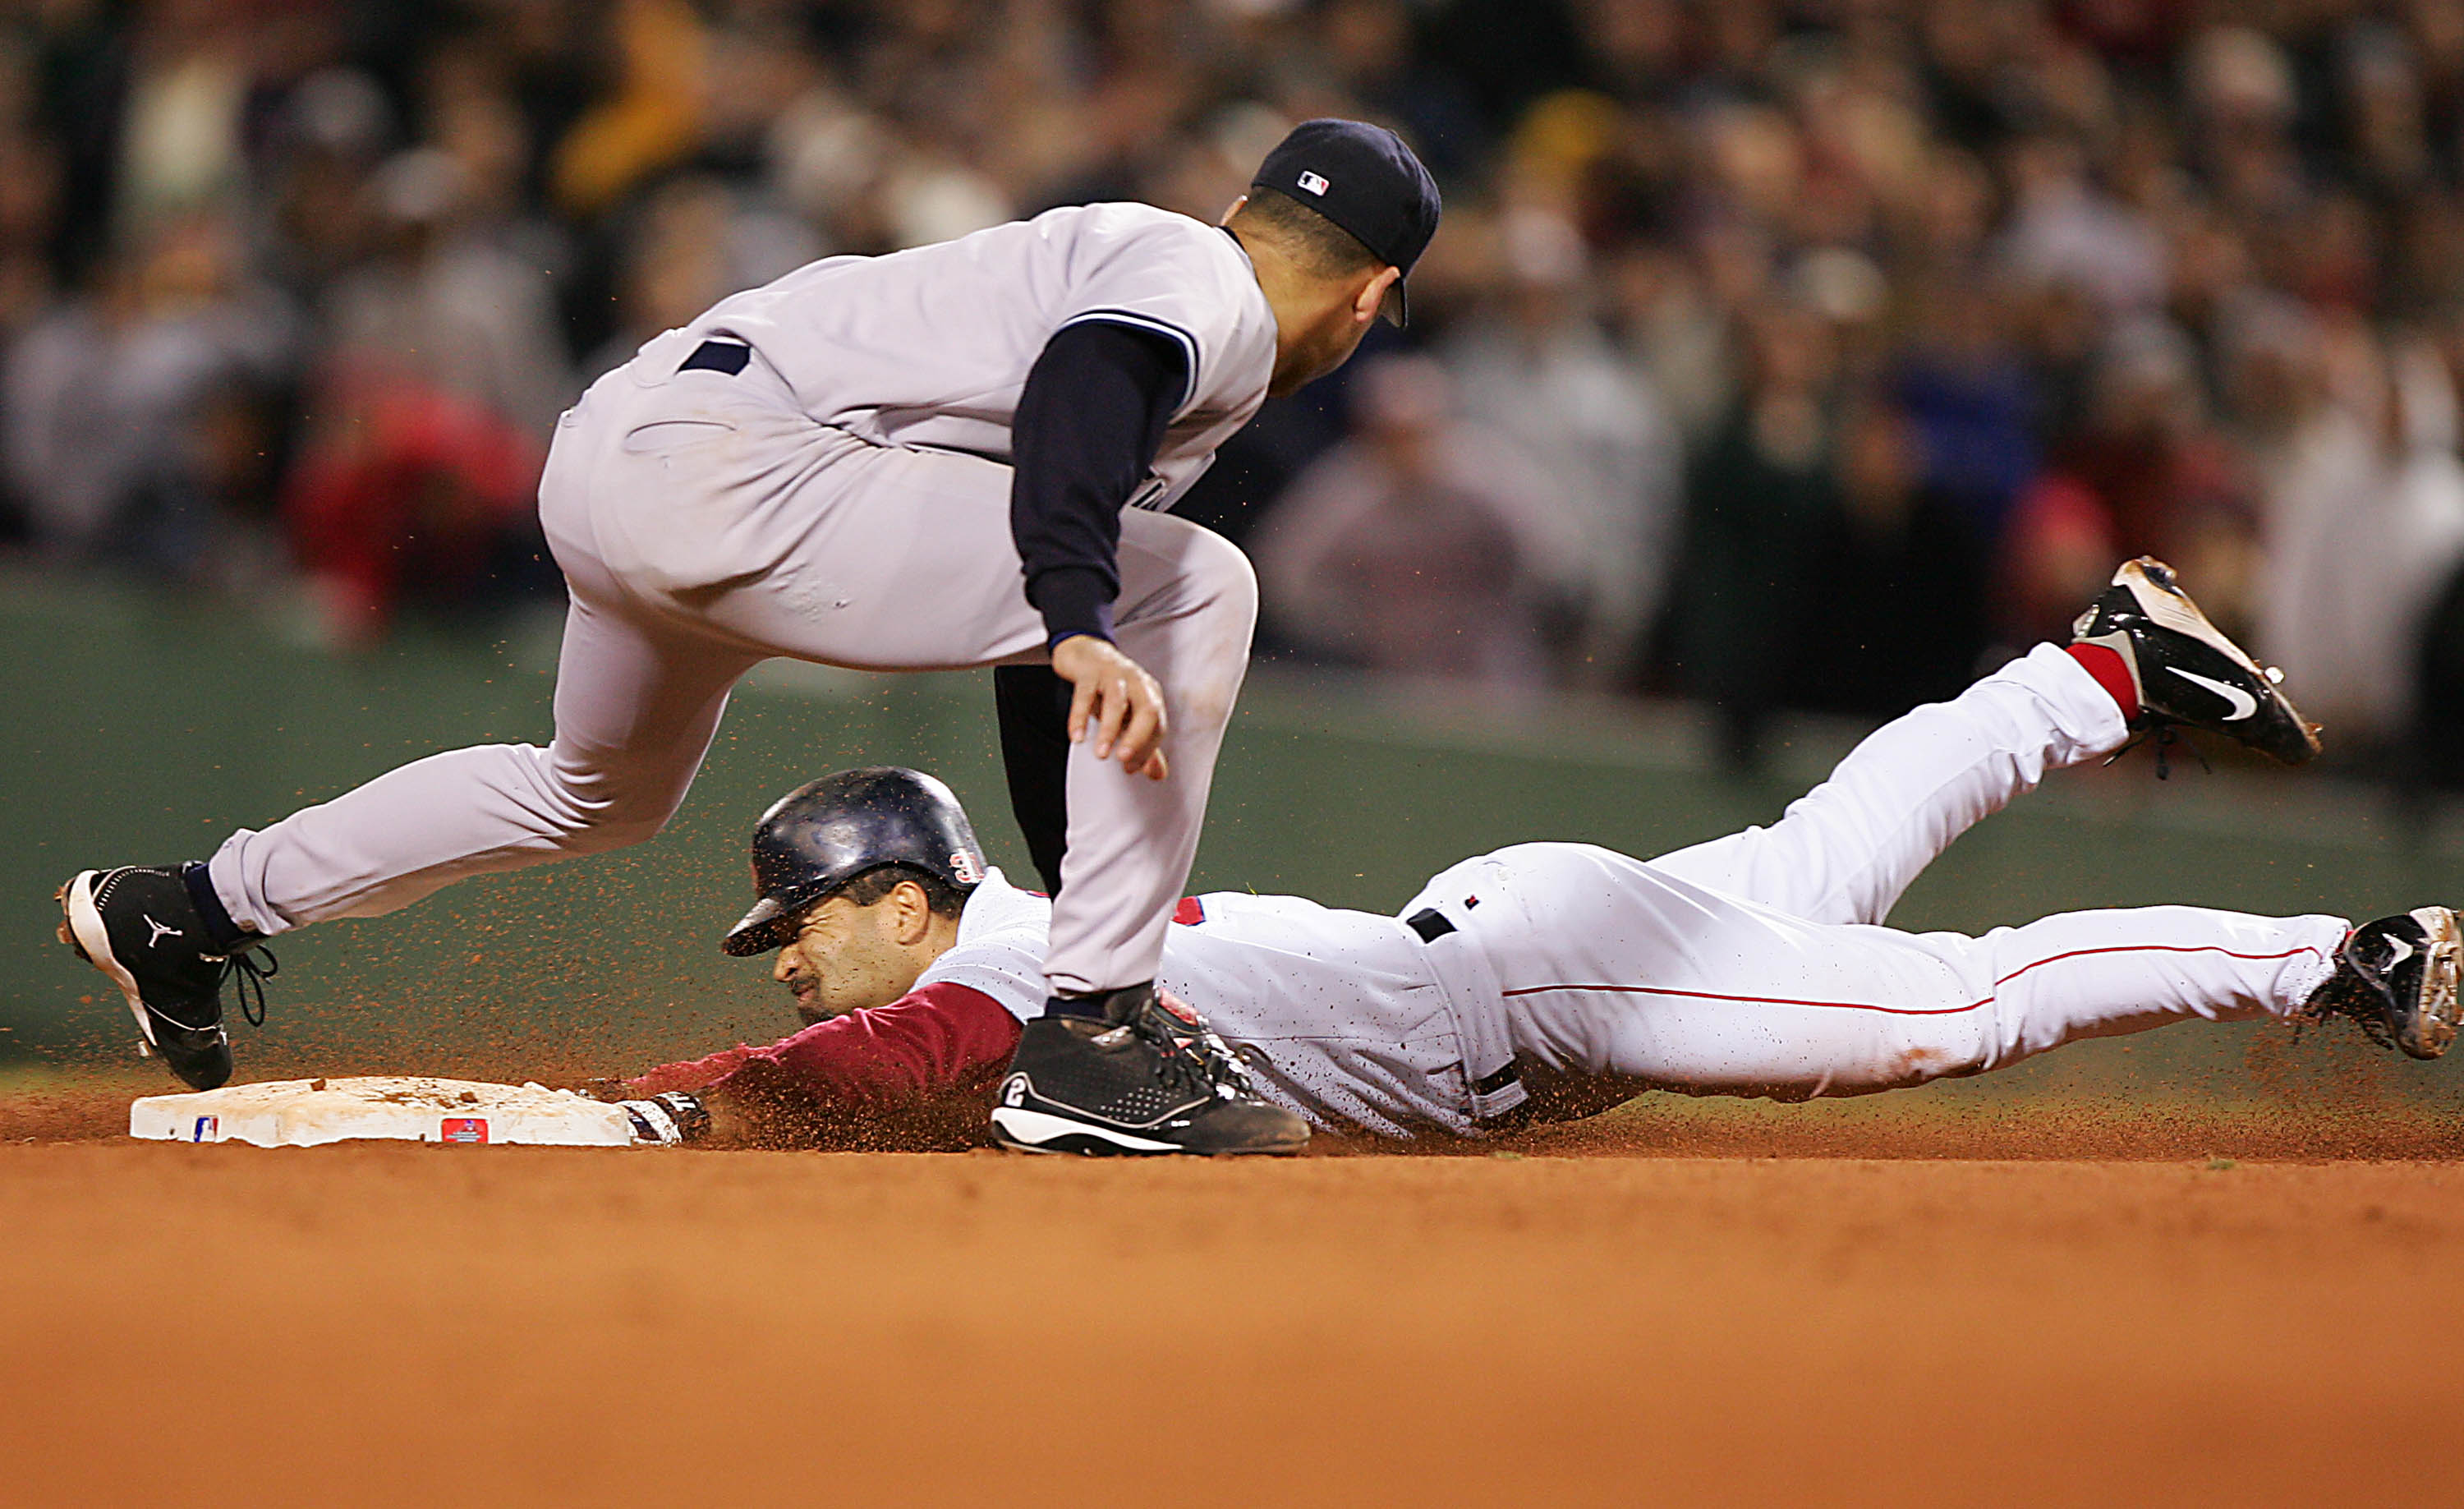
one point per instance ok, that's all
(2242, 704)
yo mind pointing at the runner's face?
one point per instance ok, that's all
(846, 958)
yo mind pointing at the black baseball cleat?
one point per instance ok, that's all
(2185, 670)
(2397, 977)
(138, 924)
(1147, 1085)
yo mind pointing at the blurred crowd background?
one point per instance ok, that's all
(1782, 354)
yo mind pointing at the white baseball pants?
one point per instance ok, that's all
(705, 523)
(1757, 964)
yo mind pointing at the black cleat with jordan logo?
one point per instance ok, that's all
(2185, 670)
(140, 925)
(2397, 977)
(1154, 1082)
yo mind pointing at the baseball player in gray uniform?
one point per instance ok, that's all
(1556, 980)
(957, 456)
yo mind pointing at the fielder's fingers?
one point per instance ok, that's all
(1143, 735)
(1081, 701)
(1111, 708)
(1157, 767)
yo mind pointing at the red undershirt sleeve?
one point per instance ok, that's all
(692, 1074)
(941, 1040)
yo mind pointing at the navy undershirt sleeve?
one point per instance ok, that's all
(1088, 422)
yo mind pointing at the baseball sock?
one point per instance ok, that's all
(1104, 1006)
(220, 930)
(2110, 672)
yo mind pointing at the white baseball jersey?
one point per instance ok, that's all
(1339, 1014)
(929, 347)
(1752, 965)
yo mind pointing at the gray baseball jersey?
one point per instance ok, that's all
(839, 494)
(929, 347)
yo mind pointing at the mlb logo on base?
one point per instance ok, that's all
(467, 1129)
(206, 1128)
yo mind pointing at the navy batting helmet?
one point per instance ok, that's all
(823, 834)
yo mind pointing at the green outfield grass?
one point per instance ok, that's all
(145, 729)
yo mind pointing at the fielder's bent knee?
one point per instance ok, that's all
(599, 836)
(1228, 582)
(598, 811)
(1207, 679)
(1190, 622)
(1188, 569)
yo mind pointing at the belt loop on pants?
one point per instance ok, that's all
(1465, 977)
(717, 356)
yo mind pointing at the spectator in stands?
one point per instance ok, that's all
(1762, 503)
(446, 304)
(1903, 594)
(2317, 460)
(2365, 505)
(1962, 384)
(118, 394)
(693, 242)
(1415, 546)
(1540, 370)
(2165, 478)
(411, 492)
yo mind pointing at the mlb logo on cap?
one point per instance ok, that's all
(1379, 191)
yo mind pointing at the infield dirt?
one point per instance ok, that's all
(387, 1324)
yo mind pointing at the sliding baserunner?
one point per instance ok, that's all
(1550, 980)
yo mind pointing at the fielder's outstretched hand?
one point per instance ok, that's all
(1115, 703)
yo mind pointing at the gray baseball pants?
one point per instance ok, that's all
(705, 523)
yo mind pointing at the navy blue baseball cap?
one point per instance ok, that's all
(1364, 179)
